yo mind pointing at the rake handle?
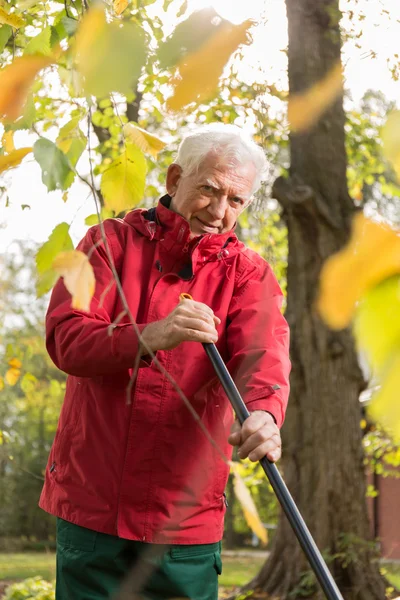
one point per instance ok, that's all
(289, 507)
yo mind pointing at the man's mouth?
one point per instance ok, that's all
(207, 227)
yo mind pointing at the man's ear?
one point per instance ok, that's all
(174, 175)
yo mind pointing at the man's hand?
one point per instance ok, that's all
(190, 321)
(258, 437)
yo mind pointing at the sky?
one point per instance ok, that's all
(265, 59)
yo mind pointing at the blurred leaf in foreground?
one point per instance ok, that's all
(200, 71)
(15, 81)
(189, 36)
(250, 512)
(110, 56)
(305, 108)
(372, 255)
(391, 140)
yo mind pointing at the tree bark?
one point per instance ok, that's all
(323, 455)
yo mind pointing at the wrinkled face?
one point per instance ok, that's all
(213, 197)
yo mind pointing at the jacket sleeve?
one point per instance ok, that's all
(258, 343)
(89, 344)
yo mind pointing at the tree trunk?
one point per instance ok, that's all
(322, 437)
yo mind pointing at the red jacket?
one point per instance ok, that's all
(144, 470)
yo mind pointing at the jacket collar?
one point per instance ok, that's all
(173, 232)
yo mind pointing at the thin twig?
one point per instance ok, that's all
(142, 343)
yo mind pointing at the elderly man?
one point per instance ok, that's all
(128, 473)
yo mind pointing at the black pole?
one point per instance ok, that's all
(307, 543)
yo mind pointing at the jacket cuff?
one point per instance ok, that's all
(273, 405)
(126, 345)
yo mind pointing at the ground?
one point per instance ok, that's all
(238, 568)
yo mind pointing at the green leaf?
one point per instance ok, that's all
(28, 383)
(188, 36)
(110, 56)
(123, 183)
(56, 173)
(59, 241)
(40, 44)
(70, 25)
(92, 220)
(5, 34)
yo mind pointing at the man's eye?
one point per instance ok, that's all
(207, 188)
(237, 200)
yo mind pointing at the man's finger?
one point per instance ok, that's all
(235, 438)
(267, 449)
(259, 438)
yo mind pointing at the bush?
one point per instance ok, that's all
(34, 587)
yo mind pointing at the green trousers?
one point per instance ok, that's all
(94, 566)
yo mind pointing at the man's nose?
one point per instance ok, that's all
(218, 206)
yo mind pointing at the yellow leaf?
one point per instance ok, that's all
(200, 71)
(7, 141)
(147, 142)
(120, 6)
(13, 159)
(1, 383)
(12, 376)
(372, 254)
(306, 108)
(11, 19)
(15, 81)
(377, 323)
(385, 407)
(123, 183)
(15, 363)
(391, 140)
(78, 275)
(249, 508)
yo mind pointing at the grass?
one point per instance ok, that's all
(236, 570)
(28, 564)
(392, 573)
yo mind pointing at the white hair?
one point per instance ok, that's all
(231, 144)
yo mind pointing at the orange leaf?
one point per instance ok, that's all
(120, 6)
(306, 108)
(15, 363)
(200, 71)
(7, 141)
(372, 255)
(15, 81)
(7, 161)
(78, 275)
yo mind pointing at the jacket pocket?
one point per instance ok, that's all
(75, 537)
